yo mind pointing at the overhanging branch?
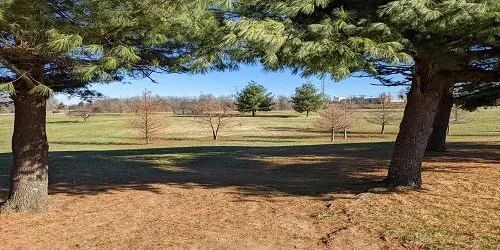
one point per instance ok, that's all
(20, 73)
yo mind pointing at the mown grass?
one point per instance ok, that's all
(459, 206)
(111, 131)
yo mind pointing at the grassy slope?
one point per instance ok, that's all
(429, 218)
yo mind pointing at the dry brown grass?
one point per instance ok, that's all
(458, 208)
(262, 197)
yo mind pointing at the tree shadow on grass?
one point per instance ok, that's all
(311, 170)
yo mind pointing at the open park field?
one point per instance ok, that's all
(272, 182)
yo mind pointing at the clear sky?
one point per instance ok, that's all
(227, 83)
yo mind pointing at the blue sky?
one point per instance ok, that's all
(227, 83)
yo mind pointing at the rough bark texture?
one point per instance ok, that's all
(415, 129)
(29, 176)
(437, 140)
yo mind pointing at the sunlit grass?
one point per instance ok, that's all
(111, 131)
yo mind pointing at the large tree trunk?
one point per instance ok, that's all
(29, 176)
(437, 140)
(415, 129)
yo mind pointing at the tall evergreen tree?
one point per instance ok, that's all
(432, 45)
(254, 97)
(62, 46)
(307, 99)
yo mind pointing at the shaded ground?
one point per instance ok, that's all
(267, 197)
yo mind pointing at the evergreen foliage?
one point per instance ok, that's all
(254, 97)
(74, 43)
(307, 99)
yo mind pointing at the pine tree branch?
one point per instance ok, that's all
(20, 73)
(460, 76)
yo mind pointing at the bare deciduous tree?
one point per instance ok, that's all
(458, 116)
(335, 117)
(214, 113)
(80, 112)
(145, 118)
(384, 113)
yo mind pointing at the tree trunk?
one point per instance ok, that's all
(307, 113)
(214, 135)
(29, 175)
(332, 136)
(345, 133)
(415, 129)
(437, 140)
(253, 113)
(383, 129)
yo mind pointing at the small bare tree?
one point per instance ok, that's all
(335, 116)
(214, 113)
(145, 118)
(81, 112)
(384, 113)
(458, 116)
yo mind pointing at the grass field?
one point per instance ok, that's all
(273, 181)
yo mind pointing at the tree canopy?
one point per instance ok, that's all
(380, 38)
(75, 43)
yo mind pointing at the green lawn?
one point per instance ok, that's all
(111, 131)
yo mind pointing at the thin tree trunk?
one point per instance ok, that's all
(307, 113)
(29, 175)
(253, 113)
(332, 136)
(383, 128)
(415, 129)
(345, 133)
(437, 140)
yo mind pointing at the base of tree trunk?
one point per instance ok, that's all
(29, 175)
(30, 196)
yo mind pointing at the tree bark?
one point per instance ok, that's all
(307, 113)
(415, 128)
(383, 129)
(253, 113)
(332, 136)
(29, 175)
(437, 140)
(345, 133)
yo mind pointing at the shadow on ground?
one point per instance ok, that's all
(310, 170)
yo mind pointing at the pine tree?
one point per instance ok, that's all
(307, 99)
(431, 45)
(254, 97)
(62, 46)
